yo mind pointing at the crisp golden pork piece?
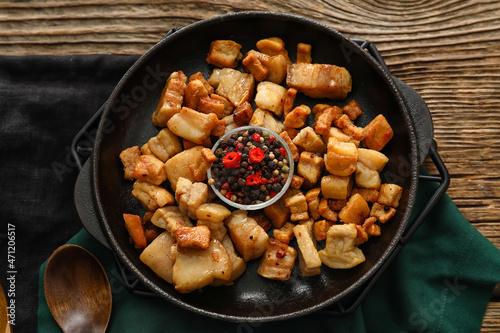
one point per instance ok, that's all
(230, 124)
(228, 106)
(290, 96)
(224, 53)
(264, 118)
(310, 166)
(197, 237)
(309, 140)
(390, 194)
(298, 207)
(255, 66)
(170, 218)
(340, 250)
(285, 233)
(129, 158)
(352, 110)
(324, 120)
(243, 114)
(312, 198)
(336, 187)
(211, 105)
(152, 196)
(199, 76)
(270, 96)
(305, 262)
(307, 246)
(272, 46)
(304, 53)
(158, 256)
(321, 228)
(278, 261)
(297, 117)
(238, 266)
(366, 177)
(247, 235)
(369, 194)
(293, 148)
(164, 145)
(188, 164)
(373, 159)
(357, 133)
(212, 212)
(341, 157)
(278, 213)
(195, 268)
(383, 213)
(339, 135)
(190, 196)
(150, 169)
(192, 125)
(212, 215)
(171, 99)
(355, 211)
(194, 92)
(377, 133)
(232, 84)
(326, 211)
(297, 181)
(320, 80)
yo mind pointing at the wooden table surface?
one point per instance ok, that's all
(448, 50)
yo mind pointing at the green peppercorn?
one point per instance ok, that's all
(266, 135)
(285, 169)
(219, 151)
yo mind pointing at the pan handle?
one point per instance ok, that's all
(444, 180)
(85, 204)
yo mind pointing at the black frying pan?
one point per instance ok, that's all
(126, 121)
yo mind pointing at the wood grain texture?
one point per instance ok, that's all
(449, 51)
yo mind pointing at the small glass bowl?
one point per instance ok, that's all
(264, 204)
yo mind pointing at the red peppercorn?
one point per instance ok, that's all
(229, 195)
(253, 180)
(271, 139)
(282, 151)
(256, 137)
(231, 160)
(226, 186)
(239, 146)
(255, 155)
(272, 194)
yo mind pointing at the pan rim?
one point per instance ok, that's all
(386, 76)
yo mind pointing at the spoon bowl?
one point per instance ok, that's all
(77, 290)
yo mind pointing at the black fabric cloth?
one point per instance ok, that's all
(44, 102)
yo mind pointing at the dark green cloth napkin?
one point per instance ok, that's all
(440, 282)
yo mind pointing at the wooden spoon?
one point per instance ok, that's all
(4, 319)
(77, 290)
